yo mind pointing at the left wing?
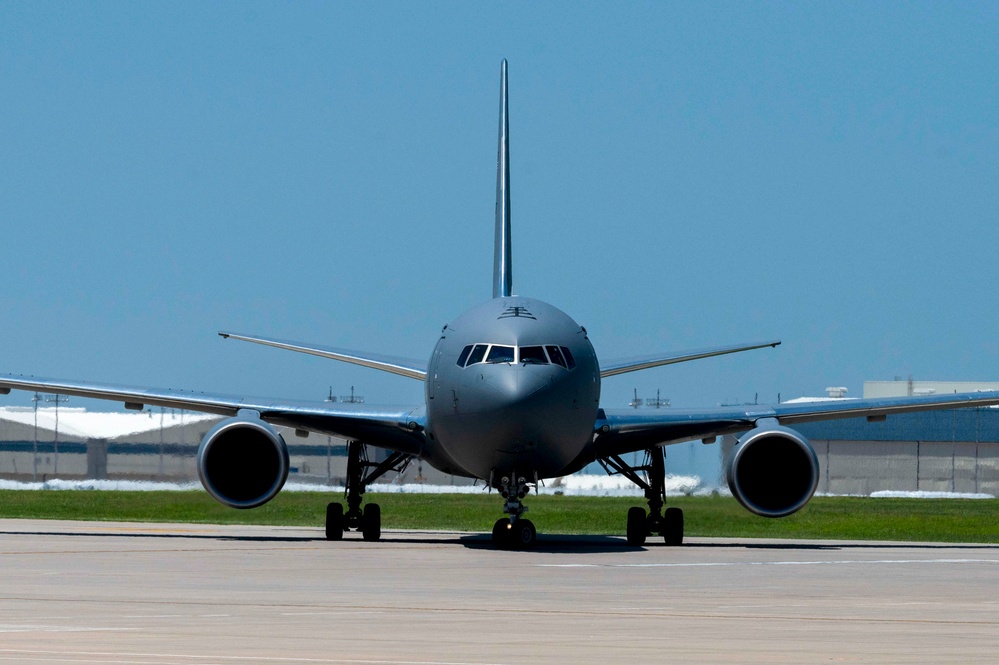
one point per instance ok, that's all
(623, 365)
(625, 430)
(395, 428)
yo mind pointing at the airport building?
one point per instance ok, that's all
(159, 445)
(954, 450)
(910, 387)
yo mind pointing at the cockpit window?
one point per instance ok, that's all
(478, 353)
(464, 355)
(555, 355)
(527, 355)
(533, 355)
(500, 354)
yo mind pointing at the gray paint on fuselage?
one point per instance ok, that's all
(511, 417)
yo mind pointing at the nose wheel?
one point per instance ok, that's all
(514, 532)
(519, 535)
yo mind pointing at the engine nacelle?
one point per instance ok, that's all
(773, 471)
(243, 462)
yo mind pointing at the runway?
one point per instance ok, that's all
(90, 592)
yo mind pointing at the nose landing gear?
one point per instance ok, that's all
(514, 532)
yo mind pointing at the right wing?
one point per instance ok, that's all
(395, 428)
(414, 369)
(621, 431)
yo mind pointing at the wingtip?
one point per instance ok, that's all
(223, 335)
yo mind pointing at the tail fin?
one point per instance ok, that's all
(502, 268)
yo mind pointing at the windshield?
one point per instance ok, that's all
(500, 354)
(533, 355)
(526, 355)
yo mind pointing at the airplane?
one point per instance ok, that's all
(511, 398)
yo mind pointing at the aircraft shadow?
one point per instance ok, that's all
(549, 544)
(546, 543)
(558, 544)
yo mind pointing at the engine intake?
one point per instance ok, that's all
(773, 471)
(243, 462)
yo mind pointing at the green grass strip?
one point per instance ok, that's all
(937, 520)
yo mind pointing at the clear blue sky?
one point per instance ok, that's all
(683, 175)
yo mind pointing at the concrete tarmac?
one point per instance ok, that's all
(91, 592)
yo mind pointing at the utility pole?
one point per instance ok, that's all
(162, 413)
(657, 402)
(34, 446)
(329, 447)
(55, 458)
(352, 398)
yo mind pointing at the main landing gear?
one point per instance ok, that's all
(514, 532)
(360, 474)
(641, 525)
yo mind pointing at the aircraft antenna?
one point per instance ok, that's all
(502, 262)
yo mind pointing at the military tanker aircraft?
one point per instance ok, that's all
(512, 397)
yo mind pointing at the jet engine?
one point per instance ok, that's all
(243, 462)
(773, 471)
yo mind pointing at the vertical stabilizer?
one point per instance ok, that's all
(502, 269)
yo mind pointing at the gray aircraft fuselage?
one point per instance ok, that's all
(508, 408)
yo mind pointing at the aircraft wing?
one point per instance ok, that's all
(626, 430)
(413, 369)
(623, 365)
(395, 428)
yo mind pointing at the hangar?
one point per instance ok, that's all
(954, 450)
(160, 445)
(950, 450)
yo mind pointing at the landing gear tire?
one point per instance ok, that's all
(638, 528)
(523, 534)
(371, 522)
(334, 521)
(673, 526)
(501, 532)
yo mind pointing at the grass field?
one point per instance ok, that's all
(941, 520)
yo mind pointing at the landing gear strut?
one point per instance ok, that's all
(641, 525)
(514, 531)
(360, 474)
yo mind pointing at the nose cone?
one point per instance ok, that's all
(515, 388)
(516, 417)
